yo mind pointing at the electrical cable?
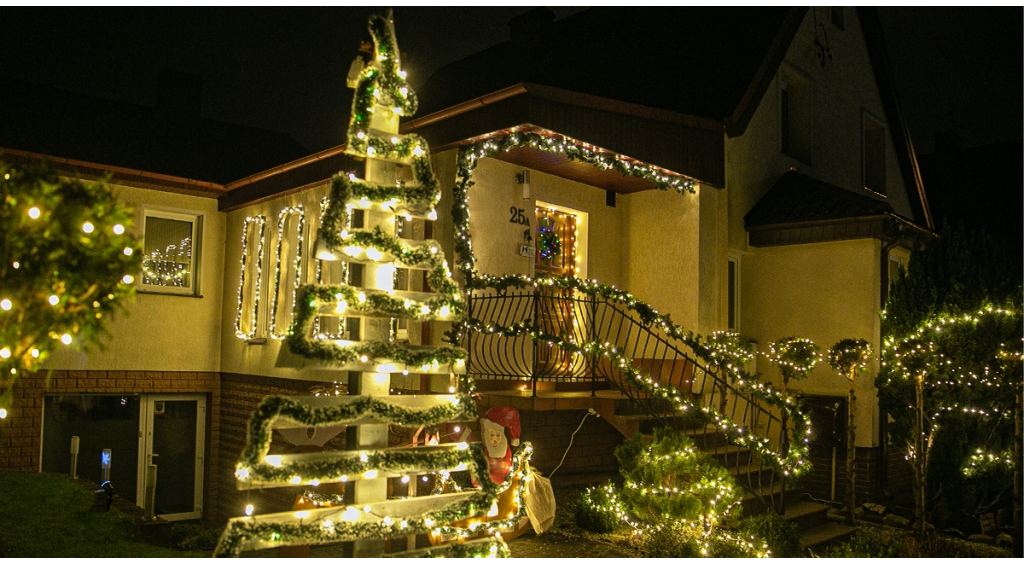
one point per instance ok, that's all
(589, 413)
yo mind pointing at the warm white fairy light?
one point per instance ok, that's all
(118, 229)
(88, 227)
(6, 304)
(259, 222)
(296, 265)
(34, 212)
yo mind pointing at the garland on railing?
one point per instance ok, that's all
(792, 463)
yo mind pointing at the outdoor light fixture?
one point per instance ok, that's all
(524, 179)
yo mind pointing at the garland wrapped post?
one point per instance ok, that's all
(850, 357)
(399, 189)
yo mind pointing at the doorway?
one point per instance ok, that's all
(172, 437)
(556, 255)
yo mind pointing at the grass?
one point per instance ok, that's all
(49, 516)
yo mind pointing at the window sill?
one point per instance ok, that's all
(156, 293)
(256, 341)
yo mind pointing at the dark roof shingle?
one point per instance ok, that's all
(797, 198)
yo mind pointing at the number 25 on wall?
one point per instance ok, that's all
(518, 216)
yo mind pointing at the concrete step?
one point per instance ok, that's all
(822, 536)
(807, 514)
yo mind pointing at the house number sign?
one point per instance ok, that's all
(518, 216)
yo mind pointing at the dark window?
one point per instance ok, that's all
(797, 117)
(874, 155)
(838, 17)
(732, 295)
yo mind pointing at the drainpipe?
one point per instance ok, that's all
(894, 233)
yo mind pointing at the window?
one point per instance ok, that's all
(170, 252)
(733, 308)
(797, 116)
(895, 266)
(873, 153)
(838, 17)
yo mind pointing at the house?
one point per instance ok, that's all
(788, 190)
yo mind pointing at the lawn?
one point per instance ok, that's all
(50, 516)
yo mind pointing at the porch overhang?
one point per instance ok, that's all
(676, 143)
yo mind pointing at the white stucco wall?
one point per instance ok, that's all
(165, 331)
(825, 292)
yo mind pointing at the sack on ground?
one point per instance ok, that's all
(540, 501)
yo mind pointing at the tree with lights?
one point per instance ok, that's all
(68, 260)
(850, 357)
(399, 187)
(951, 323)
(674, 491)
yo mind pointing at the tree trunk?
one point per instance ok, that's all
(851, 450)
(920, 490)
(1018, 487)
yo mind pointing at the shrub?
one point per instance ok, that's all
(594, 510)
(781, 535)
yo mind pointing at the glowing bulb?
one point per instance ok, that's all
(16, 264)
(404, 91)
(405, 479)
(432, 216)
(242, 474)
(359, 135)
(444, 311)
(373, 254)
(66, 339)
(394, 140)
(128, 251)
(417, 151)
(301, 514)
(54, 300)
(87, 227)
(361, 296)
(351, 514)
(295, 480)
(370, 151)
(34, 213)
(249, 509)
(370, 474)
(118, 229)
(397, 110)
(5, 353)
(128, 279)
(401, 74)
(273, 460)
(35, 353)
(5, 304)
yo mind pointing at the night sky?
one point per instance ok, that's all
(956, 69)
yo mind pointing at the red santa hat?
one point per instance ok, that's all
(508, 418)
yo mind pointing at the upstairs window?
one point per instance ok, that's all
(733, 311)
(797, 117)
(170, 252)
(838, 17)
(873, 154)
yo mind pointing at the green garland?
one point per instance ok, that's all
(306, 306)
(379, 303)
(549, 245)
(300, 411)
(489, 547)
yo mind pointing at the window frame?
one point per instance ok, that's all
(732, 322)
(867, 118)
(196, 219)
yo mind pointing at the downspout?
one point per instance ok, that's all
(894, 234)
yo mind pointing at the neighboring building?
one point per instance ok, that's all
(805, 194)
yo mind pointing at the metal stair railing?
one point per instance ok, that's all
(533, 335)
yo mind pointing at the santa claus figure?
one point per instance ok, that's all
(499, 454)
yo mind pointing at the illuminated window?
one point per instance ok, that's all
(873, 153)
(170, 252)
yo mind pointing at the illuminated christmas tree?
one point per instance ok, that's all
(398, 189)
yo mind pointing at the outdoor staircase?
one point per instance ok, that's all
(531, 375)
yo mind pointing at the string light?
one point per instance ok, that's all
(296, 265)
(259, 222)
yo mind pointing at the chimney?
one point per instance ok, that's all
(180, 94)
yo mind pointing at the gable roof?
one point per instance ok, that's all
(663, 58)
(169, 141)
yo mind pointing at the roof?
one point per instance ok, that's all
(797, 198)
(166, 140)
(652, 56)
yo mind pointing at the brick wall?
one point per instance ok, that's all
(818, 482)
(21, 431)
(240, 396)
(550, 431)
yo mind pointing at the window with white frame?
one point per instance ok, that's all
(171, 243)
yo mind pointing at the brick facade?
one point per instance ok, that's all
(899, 475)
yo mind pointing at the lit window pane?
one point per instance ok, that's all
(168, 253)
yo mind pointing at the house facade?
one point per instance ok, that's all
(772, 202)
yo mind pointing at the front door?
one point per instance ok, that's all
(172, 439)
(555, 256)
